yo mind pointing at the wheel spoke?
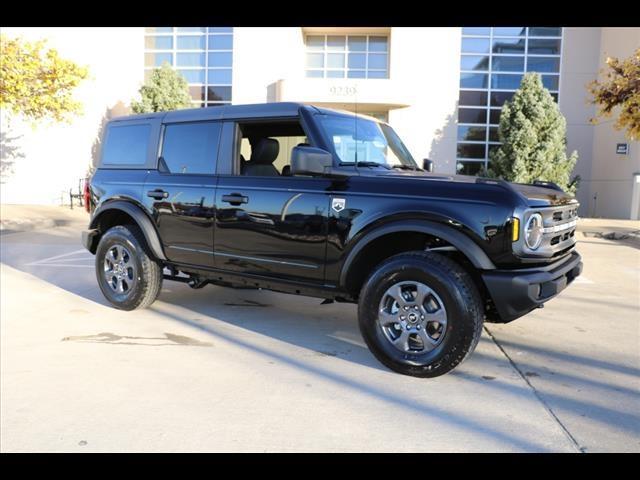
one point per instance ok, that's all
(421, 293)
(428, 342)
(126, 257)
(439, 316)
(387, 318)
(396, 293)
(402, 342)
(112, 256)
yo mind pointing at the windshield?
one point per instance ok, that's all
(357, 139)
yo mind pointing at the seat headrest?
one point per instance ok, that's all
(265, 152)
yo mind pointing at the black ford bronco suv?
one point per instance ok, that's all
(328, 204)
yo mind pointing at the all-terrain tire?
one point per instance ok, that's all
(142, 273)
(461, 301)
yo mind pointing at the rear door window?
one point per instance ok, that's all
(191, 148)
(127, 144)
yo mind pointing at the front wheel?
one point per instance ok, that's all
(420, 314)
(127, 275)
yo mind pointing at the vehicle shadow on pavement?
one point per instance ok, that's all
(420, 404)
(324, 330)
(548, 379)
(596, 363)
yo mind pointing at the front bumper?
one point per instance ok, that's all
(517, 292)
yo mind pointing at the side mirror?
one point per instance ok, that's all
(310, 161)
(427, 165)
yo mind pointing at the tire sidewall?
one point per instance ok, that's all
(120, 235)
(459, 330)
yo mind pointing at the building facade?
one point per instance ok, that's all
(440, 88)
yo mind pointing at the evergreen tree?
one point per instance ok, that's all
(166, 90)
(533, 135)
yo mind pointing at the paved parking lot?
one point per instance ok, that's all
(243, 370)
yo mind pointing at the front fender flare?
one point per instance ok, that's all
(459, 240)
(139, 216)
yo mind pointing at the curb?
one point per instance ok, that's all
(26, 225)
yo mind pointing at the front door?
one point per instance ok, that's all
(267, 221)
(181, 192)
(272, 226)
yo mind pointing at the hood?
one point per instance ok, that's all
(535, 195)
(538, 196)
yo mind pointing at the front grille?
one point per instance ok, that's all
(559, 228)
(559, 231)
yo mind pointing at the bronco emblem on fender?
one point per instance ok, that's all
(338, 204)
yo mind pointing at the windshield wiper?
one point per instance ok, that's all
(407, 167)
(365, 164)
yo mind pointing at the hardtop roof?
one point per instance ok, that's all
(231, 112)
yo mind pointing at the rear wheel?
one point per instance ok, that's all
(420, 314)
(127, 275)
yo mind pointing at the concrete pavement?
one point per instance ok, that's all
(242, 370)
(582, 351)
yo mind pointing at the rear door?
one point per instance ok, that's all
(181, 191)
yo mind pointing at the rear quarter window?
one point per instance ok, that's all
(191, 148)
(126, 144)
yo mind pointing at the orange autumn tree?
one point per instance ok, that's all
(37, 83)
(620, 88)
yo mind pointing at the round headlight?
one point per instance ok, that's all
(533, 231)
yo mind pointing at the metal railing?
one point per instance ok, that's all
(79, 196)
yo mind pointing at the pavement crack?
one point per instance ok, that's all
(537, 394)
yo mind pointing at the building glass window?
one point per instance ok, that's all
(382, 116)
(492, 64)
(202, 55)
(347, 56)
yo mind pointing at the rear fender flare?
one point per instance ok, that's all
(139, 216)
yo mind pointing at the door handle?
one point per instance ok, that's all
(235, 198)
(157, 194)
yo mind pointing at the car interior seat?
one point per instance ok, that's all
(262, 158)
